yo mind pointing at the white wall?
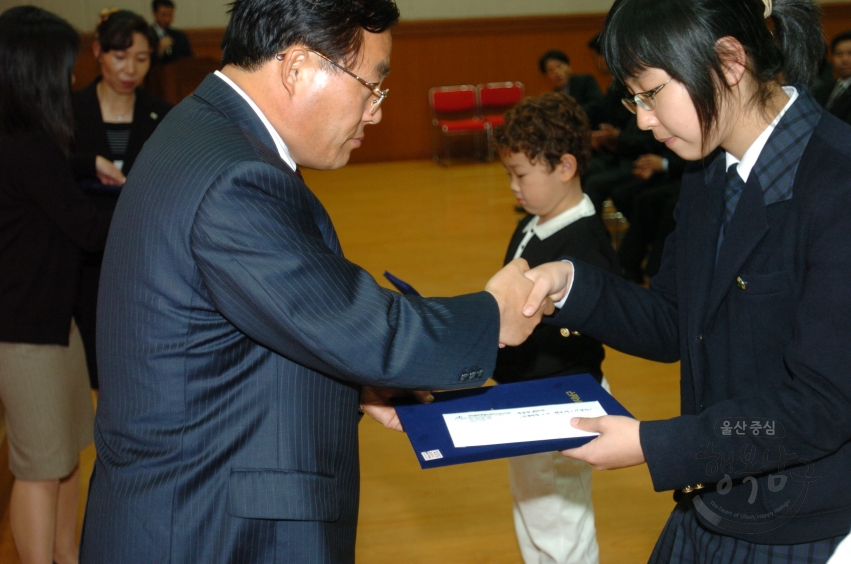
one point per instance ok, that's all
(212, 13)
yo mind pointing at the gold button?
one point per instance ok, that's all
(689, 489)
(741, 283)
(565, 332)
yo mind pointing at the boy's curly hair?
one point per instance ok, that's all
(544, 128)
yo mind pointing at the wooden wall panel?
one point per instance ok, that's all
(448, 52)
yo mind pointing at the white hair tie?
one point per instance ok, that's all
(767, 7)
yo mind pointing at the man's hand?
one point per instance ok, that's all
(551, 281)
(646, 166)
(378, 404)
(618, 445)
(511, 290)
(605, 138)
(165, 44)
(107, 172)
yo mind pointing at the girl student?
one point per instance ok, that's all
(752, 294)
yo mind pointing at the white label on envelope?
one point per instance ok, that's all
(520, 425)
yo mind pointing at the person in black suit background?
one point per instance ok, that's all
(114, 117)
(173, 43)
(235, 341)
(555, 65)
(45, 224)
(836, 96)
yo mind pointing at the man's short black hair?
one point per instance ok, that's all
(157, 4)
(844, 36)
(552, 55)
(260, 29)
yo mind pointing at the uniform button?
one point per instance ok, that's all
(565, 332)
(698, 338)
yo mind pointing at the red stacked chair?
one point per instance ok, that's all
(496, 98)
(455, 111)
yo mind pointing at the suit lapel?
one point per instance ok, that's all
(703, 238)
(747, 228)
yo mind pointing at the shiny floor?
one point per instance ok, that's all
(444, 230)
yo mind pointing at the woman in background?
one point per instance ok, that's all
(45, 224)
(114, 119)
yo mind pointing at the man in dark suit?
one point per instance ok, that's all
(555, 65)
(235, 342)
(174, 44)
(836, 96)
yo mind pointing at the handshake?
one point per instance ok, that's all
(525, 295)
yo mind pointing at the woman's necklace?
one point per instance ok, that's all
(109, 108)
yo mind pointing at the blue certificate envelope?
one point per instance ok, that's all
(401, 285)
(432, 442)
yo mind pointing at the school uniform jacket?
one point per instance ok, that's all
(763, 335)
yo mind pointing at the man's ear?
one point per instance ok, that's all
(733, 59)
(293, 63)
(96, 50)
(566, 167)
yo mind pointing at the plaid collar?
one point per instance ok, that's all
(778, 162)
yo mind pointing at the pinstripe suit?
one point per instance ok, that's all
(233, 338)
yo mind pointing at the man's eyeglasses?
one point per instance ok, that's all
(374, 87)
(644, 100)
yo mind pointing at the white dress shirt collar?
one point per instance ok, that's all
(279, 143)
(752, 154)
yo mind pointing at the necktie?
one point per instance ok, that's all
(837, 90)
(732, 193)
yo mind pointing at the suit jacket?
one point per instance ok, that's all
(585, 90)
(233, 341)
(841, 106)
(548, 352)
(761, 335)
(180, 47)
(45, 224)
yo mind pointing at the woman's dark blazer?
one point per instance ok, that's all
(90, 134)
(45, 222)
(90, 141)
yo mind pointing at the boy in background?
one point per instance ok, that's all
(545, 146)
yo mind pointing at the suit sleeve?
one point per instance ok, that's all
(266, 262)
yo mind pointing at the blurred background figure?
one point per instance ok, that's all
(555, 65)
(173, 44)
(835, 96)
(45, 223)
(114, 117)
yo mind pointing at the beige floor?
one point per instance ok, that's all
(445, 230)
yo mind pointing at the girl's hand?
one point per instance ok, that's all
(618, 445)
